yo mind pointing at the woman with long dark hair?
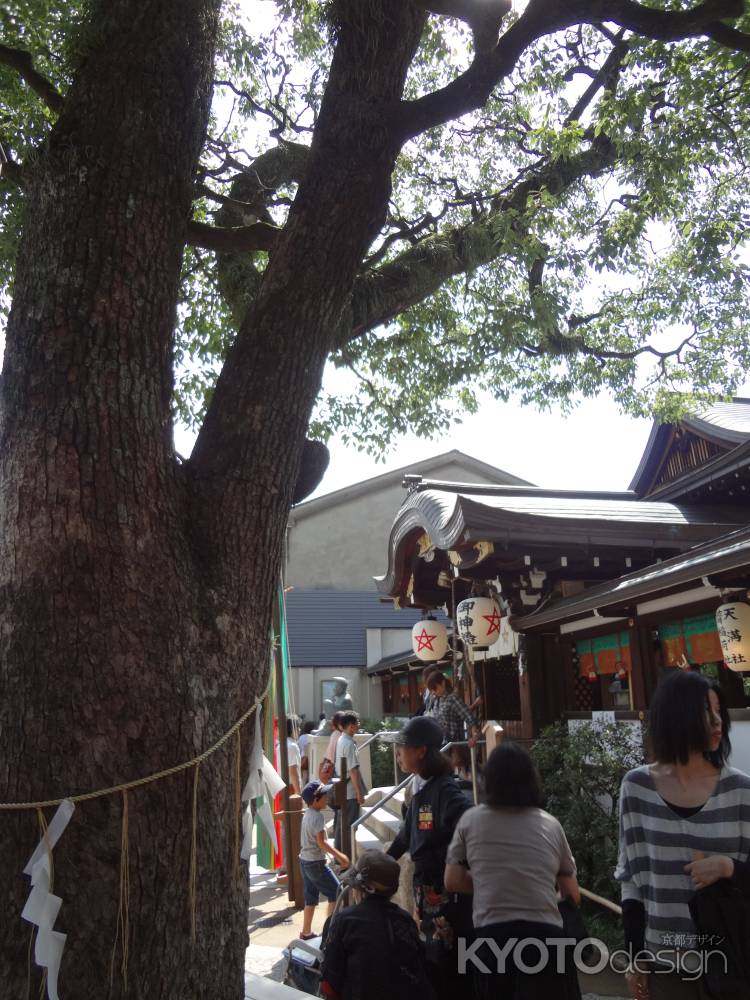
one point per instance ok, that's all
(518, 858)
(684, 827)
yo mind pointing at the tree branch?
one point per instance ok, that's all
(236, 239)
(605, 77)
(559, 344)
(417, 273)
(729, 37)
(471, 90)
(23, 64)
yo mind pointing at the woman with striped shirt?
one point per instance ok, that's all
(684, 825)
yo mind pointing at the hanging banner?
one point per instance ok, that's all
(604, 654)
(691, 640)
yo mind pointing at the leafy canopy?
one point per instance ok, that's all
(587, 229)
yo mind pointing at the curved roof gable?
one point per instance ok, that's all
(674, 451)
(521, 517)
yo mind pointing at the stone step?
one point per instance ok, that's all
(384, 824)
(393, 804)
(367, 840)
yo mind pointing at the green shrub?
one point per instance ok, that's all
(381, 753)
(581, 772)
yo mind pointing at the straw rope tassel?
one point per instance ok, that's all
(43, 830)
(237, 806)
(28, 962)
(124, 916)
(122, 929)
(194, 854)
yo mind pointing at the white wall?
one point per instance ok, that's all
(739, 734)
(386, 642)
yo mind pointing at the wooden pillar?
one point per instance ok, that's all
(568, 675)
(295, 831)
(525, 656)
(640, 659)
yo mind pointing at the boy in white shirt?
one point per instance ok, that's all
(346, 749)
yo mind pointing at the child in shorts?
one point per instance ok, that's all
(316, 874)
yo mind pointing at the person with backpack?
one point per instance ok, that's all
(372, 950)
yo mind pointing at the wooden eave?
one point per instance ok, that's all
(722, 562)
(592, 544)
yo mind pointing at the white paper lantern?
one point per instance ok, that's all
(429, 640)
(478, 621)
(733, 626)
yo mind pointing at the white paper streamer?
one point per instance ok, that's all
(272, 779)
(42, 906)
(254, 784)
(54, 831)
(262, 786)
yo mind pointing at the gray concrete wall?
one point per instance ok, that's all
(366, 692)
(342, 545)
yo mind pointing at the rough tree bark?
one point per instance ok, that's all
(135, 593)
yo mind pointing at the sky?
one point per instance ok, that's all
(596, 447)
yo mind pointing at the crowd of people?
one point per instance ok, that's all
(492, 881)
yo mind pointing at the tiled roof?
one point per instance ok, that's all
(327, 628)
(732, 419)
(729, 552)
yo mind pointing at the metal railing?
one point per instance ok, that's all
(397, 788)
(377, 736)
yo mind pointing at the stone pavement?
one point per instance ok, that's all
(273, 922)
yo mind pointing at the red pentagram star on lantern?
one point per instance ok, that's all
(424, 640)
(493, 621)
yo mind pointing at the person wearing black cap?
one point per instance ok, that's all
(372, 950)
(426, 832)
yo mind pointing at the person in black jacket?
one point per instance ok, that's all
(372, 950)
(426, 832)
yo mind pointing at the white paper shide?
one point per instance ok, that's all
(42, 906)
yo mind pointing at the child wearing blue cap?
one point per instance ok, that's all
(316, 874)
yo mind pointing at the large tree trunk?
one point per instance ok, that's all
(135, 593)
(114, 662)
